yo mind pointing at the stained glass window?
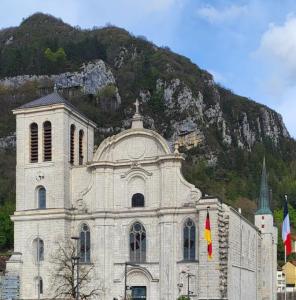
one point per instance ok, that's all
(189, 236)
(84, 244)
(137, 243)
(41, 198)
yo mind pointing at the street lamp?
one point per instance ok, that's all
(76, 259)
(188, 282)
(125, 275)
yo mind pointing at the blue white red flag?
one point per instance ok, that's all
(286, 231)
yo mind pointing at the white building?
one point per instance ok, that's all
(281, 281)
(130, 203)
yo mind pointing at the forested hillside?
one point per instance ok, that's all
(103, 70)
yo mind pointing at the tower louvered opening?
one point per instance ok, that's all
(47, 139)
(81, 134)
(34, 143)
(72, 144)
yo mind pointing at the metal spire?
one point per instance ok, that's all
(264, 205)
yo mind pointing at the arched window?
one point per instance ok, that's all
(81, 134)
(138, 200)
(47, 141)
(41, 194)
(38, 249)
(189, 238)
(33, 143)
(137, 243)
(72, 144)
(39, 285)
(84, 244)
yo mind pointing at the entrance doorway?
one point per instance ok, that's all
(139, 292)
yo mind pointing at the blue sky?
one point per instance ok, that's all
(249, 46)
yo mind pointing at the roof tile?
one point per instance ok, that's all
(53, 98)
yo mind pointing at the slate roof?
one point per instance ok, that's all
(293, 262)
(53, 98)
(264, 199)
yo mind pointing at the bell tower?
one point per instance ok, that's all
(52, 138)
(268, 253)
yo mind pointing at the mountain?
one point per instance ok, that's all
(103, 70)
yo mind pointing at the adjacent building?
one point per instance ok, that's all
(129, 203)
(289, 271)
(281, 281)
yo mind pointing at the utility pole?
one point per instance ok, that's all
(76, 259)
(38, 261)
(125, 281)
(188, 282)
(188, 290)
(125, 276)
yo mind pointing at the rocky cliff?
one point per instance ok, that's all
(188, 113)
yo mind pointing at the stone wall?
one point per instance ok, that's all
(242, 258)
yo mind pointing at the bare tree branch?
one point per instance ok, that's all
(63, 275)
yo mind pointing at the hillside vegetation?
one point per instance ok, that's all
(177, 96)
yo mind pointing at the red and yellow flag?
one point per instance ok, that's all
(208, 236)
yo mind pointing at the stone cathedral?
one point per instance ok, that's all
(139, 221)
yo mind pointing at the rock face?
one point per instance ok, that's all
(8, 142)
(190, 115)
(179, 99)
(92, 78)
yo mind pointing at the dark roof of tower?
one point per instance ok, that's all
(53, 98)
(264, 201)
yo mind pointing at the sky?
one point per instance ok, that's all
(248, 46)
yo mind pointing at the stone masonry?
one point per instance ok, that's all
(98, 192)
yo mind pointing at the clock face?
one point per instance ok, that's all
(39, 176)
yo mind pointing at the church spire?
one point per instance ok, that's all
(263, 205)
(137, 120)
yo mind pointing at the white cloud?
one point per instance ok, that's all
(287, 108)
(276, 52)
(215, 15)
(278, 48)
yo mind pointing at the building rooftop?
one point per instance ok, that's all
(53, 98)
(264, 199)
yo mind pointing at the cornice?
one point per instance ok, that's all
(66, 214)
(129, 163)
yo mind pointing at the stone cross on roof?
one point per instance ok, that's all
(137, 120)
(137, 104)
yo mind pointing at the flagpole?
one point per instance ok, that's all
(207, 265)
(38, 262)
(285, 274)
(286, 199)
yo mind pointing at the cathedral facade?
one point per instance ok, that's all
(140, 223)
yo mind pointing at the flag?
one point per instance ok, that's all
(286, 231)
(208, 236)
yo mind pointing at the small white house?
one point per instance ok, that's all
(281, 281)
